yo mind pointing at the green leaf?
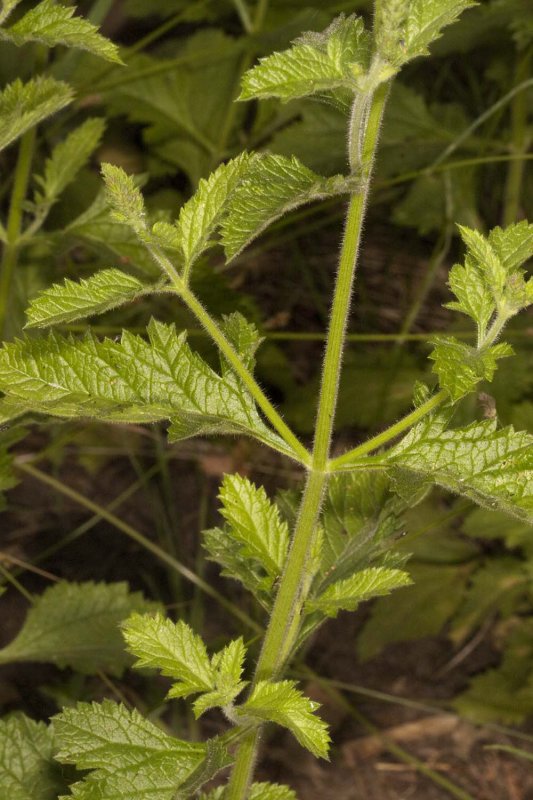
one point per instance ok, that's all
(77, 625)
(67, 158)
(173, 648)
(316, 63)
(228, 665)
(272, 186)
(486, 258)
(491, 466)
(70, 300)
(461, 367)
(244, 337)
(51, 23)
(513, 244)
(283, 703)
(258, 791)
(24, 105)
(131, 381)
(125, 198)
(226, 551)
(254, 521)
(27, 767)
(200, 216)
(425, 21)
(348, 593)
(473, 293)
(130, 757)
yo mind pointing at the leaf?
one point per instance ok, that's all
(487, 260)
(283, 703)
(272, 186)
(226, 551)
(244, 337)
(425, 21)
(70, 300)
(363, 585)
(67, 158)
(27, 767)
(227, 665)
(491, 466)
(258, 791)
(513, 244)
(172, 648)
(461, 367)
(124, 197)
(473, 293)
(24, 105)
(130, 381)
(130, 757)
(51, 23)
(415, 611)
(254, 521)
(202, 213)
(76, 625)
(317, 63)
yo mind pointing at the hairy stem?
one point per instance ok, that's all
(14, 221)
(283, 625)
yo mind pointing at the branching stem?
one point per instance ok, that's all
(283, 628)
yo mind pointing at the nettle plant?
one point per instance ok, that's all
(309, 555)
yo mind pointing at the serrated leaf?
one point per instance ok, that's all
(27, 767)
(132, 380)
(24, 105)
(244, 337)
(254, 521)
(202, 213)
(513, 244)
(228, 665)
(130, 756)
(473, 294)
(172, 648)
(67, 158)
(461, 367)
(491, 466)
(316, 63)
(283, 703)
(272, 186)
(258, 791)
(71, 300)
(364, 585)
(124, 197)
(425, 21)
(77, 625)
(482, 251)
(51, 23)
(227, 553)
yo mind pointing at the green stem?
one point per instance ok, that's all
(244, 15)
(226, 348)
(14, 220)
(138, 537)
(347, 459)
(283, 626)
(520, 139)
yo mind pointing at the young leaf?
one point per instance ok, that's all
(174, 649)
(70, 300)
(513, 244)
(348, 593)
(283, 703)
(473, 293)
(201, 214)
(228, 665)
(258, 791)
(315, 64)
(493, 467)
(51, 23)
(27, 767)
(131, 380)
(272, 186)
(226, 551)
(254, 521)
(487, 260)
(23, 105)
(461, 367)
(244, 337)
(77, 625)
(67, 158)
(124, 197)
(128, 755)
